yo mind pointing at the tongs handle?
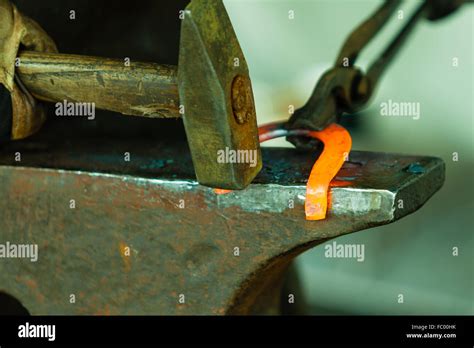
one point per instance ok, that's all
(346, 89)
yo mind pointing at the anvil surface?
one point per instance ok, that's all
(226, 253)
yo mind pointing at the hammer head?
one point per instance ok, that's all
(216, 93)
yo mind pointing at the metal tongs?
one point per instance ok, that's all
(347, 89)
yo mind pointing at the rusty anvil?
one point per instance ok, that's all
(191, 251)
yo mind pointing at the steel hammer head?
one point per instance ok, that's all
(216, 94)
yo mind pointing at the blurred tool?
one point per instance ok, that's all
(345, 88)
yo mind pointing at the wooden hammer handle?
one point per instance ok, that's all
(141, 89)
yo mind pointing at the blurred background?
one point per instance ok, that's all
(413, 257)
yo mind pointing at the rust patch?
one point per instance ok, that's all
(242, 99)
(126, 254)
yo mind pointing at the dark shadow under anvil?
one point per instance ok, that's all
(182, 236)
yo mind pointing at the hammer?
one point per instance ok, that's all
(210, 88)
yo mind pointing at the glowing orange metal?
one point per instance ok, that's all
(337, 145)
(221, 191)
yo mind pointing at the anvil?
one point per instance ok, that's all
(225, 253)
(144, 237)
